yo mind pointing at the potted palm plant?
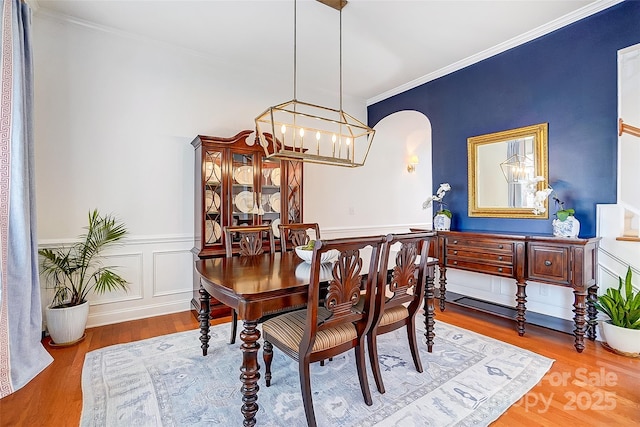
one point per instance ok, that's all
(622, 331)
(74, 271)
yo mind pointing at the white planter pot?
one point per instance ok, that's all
(621, 339)
(570, 227)
(66, 325)
(441, 222)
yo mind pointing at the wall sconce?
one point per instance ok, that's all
(413, 161)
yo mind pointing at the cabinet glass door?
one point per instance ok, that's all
(270, 196)
(244, 195)
(293, 186)
(213, 197)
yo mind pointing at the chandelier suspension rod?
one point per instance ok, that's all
(295, 49)
(340, 59)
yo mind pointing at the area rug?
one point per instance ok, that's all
(469, 379)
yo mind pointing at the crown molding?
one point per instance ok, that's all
(547, 28)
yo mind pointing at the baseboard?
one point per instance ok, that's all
(141, 312)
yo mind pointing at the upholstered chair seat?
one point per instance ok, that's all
(289, 330)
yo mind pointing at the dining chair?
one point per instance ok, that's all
(297, 234)
(400, 293)
(251, 240)
(322, 331)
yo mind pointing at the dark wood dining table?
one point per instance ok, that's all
(256, 286)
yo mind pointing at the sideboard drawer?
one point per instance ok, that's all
(494, 269)
(549, 263)
(493, 257)
(493, 245)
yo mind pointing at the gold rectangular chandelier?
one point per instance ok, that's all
(297, 130)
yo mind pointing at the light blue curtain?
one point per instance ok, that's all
(22, 356)
(516, 148)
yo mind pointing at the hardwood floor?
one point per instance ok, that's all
(594, 388)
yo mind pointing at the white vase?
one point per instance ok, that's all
(441, 222)
(66, 325)
(570, 227)
(621, 339)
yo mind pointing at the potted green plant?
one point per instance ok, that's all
(74, 271)
(622, 331)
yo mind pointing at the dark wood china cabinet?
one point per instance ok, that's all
(236, 185)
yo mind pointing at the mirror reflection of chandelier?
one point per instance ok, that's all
(517, 169)
(296, 130)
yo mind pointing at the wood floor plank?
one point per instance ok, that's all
(592, 388)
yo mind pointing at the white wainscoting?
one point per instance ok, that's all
(615, 256)
(159, 272)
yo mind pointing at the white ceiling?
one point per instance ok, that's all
(388, 45)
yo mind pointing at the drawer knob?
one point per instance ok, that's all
(499, 258)
(455, 262)
(455, 242)
(500, 246)
(500, 269)
(547, 263)
(455, 252)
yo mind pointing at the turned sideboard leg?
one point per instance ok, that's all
(443, 285)
(521, 299)
(203, 317)
(249, 374)
(592, 312)
(579, 308)
(429, 308)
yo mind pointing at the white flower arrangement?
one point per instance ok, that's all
(541, 195)
(442, 191)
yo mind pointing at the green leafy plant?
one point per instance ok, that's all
(74, 271)
(623, 310)
(443, 211)
(562, 214)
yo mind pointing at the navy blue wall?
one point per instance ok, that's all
(568, 79)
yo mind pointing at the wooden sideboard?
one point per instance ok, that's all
(557, 261)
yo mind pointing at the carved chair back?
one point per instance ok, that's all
(405, 283)
(297, 234)
(251, 239)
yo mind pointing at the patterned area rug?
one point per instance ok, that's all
(469, 379)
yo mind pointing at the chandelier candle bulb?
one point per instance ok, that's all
(318, 142)
(333, 140)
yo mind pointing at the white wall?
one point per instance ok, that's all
(114, 118)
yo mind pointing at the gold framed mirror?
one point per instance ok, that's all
(501, 166)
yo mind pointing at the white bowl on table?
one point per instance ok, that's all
(307, 254)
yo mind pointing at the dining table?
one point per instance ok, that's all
(260, 285)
